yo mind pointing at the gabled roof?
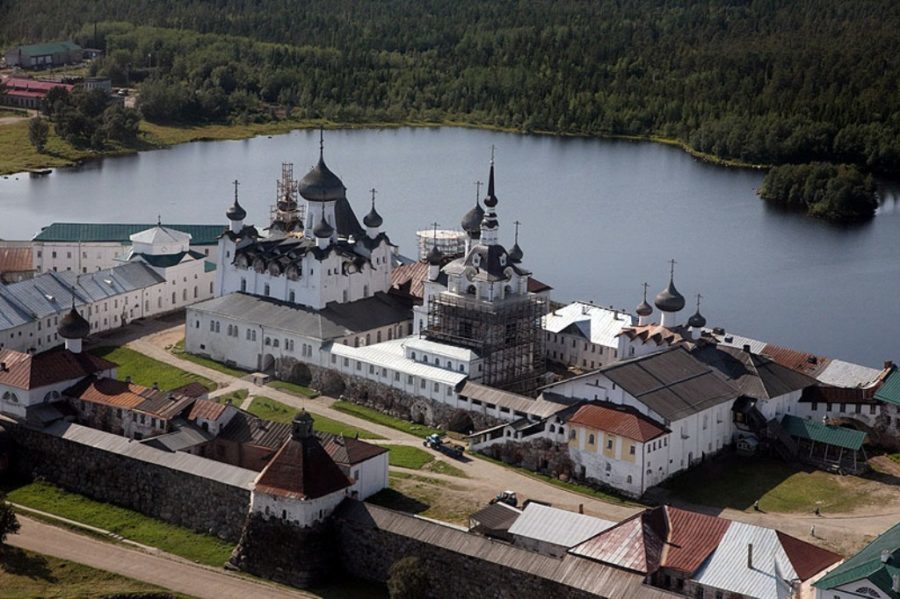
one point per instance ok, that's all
(47, 48)
(245, 428)
(656, 333)
(555, 526)
(349, 451)
(15, 259)
(618, 420)
(867, 564)
(754, 375)
(117, 232)
(206, 409)
(598, 325)
(890, 389)
(27, 371)
(839, 436)
(123, 394)
(497, 516)
(160, 234)
(301, 470)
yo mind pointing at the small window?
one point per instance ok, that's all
(590, 439)
(609, 443)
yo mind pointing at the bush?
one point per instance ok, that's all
(9, 525)
(839, 193)
(407, 579)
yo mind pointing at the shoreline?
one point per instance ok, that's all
(159, 137)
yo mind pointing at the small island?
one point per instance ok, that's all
(837, 193)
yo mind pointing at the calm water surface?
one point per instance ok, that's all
(598, 219)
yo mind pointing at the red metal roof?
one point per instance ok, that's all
(302, 470)
(807, 559)
(206, 409)
(409, 279)
(692, 537)
(15, 259)
(33, 85)
(27, 371)
(349, 450)
(110, 392)
(535, 286)
(804, 362)
(631, 544)
(617, 420)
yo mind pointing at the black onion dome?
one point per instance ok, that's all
(323, 229)
(321, 185)
(669, 300)
(373, 219)
(74, 326)
(236, 211)
(697, 321)
(471, 221)
(644, 309)
(515, 254)
(435, 256)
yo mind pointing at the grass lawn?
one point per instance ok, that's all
(294, 388)
(28, 574)
(236, 397)
(178, 350)
(378, 418)
(568, 486)
(407, 456)
(146, 371)
(177, 540)
(269, 409)
(442, 467)
(735, 482)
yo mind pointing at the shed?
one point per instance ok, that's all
(494, 521)
(552, 531)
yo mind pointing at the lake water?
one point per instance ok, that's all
(598, 219)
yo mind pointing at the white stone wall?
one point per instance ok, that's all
(88, 257)
(573, 350)
(370, 476)
(298, 511)
(14, 401)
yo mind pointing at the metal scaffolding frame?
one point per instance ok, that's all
(506, 334)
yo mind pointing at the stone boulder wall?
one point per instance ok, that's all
(177, 497)
(538, 455)
(286, 553)
(378, 396)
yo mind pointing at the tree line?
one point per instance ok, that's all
(838, 193)
(765, 81)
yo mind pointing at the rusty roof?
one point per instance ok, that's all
(805, 362)
(192, 389)
(656, 333)
(535, 286)
(692, 536)
(631, 545)
(807, 559)
(349, 450)
(206, 409)
(165, 404)
(618, 420)
(245, 428)
(110, 392)
(32, 371)
(302, 470)
(15, 259)
(409, 279)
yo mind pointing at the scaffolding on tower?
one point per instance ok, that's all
(506, 334)
(287, 209)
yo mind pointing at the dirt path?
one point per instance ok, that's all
(160, 569)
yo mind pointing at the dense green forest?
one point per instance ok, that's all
(765, 81)
(838, 193)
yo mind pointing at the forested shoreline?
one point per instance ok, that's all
(760, 82)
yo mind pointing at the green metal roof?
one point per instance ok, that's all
(890, 389)
(115, 232)
(48, 48)
(839, 436)
(867, 565)
(169, 260)
(209, 266)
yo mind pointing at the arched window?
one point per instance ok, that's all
(268, 341)
(470, 290)
(572, 434)
(608, 466)
(629, 479)
(243, 284)
(590, 439)
(291, 297)
(274, 342)
(266, 290)
(552, 429)
(173, 298)
(365, 291)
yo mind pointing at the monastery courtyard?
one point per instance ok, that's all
(875, 508)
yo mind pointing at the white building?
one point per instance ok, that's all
(366, 464)
(583, 335)
(302, 484)
(552, 531)
(89, 247)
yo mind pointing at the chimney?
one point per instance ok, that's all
(750, 556)
(747, 348)
(885, 556)
(580, 508)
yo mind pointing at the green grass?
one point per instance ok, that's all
(25, 574)
(178, 351)
(894, 457)
(383, 419)
(736, 482)
(568, 486)
(129, 524)
(294, 389)
(406, 456)
(442, 467)
(236, 397)
(270, 409)
(145, 371)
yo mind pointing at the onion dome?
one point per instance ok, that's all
(373, 219)
(435, 257)
(323, 229)
(697, 321)
(515, 254)
(669, 300)
(471, 221)
(236, 211)
(643, 309)
(320, 184)
(73, 325)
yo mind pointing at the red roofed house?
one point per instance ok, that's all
(28, 93)
(30, 381)
(614, 445)
(302, 485)
(366, 464)
(699, 555)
